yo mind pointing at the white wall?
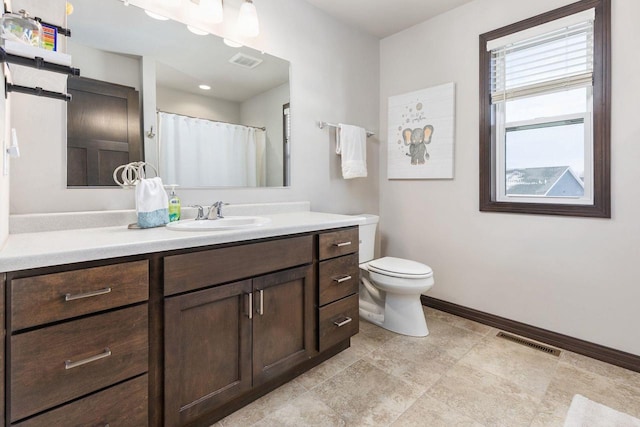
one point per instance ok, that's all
(265, 110)
(106, 66)
(334, 77)
(574, 276)
(188, 104)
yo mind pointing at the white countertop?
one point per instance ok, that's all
(49, 248)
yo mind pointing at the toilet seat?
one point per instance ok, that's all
(398, 267)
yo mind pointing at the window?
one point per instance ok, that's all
(545, 112)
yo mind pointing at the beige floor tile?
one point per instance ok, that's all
(452, 339)
(364, 343)
(432, 412)
(303, 411)
(322, 372)
(453, 320)
(364, 395)
(530, 369)
(569, 380)
(412, 359)
(601, 368)
(264, 406)
(485, 397)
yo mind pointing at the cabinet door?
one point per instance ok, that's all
(207, 350)
(283, 322)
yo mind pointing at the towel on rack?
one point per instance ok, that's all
(351, 144)
(152, 203)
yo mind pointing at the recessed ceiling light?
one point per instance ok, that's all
(231, 43)
(205, 87)
(197, 31)
(156, 16)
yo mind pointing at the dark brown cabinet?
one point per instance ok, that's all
(221, 342)
(78, 339)
(180, 338)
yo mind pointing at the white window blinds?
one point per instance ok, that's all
(558, 59)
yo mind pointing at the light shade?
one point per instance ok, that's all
(211, 10)
(156, 15)
(248, 25)
(197, 31)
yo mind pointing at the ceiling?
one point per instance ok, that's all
(383, 18)
(183, 60)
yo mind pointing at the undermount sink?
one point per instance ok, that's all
(226, 223)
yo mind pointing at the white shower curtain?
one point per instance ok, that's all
(204, 153)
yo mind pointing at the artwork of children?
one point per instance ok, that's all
(421, 134)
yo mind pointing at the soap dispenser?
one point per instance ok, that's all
(174, 205)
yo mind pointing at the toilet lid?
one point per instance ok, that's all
(399, 267)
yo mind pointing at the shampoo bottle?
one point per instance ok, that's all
(174, 205)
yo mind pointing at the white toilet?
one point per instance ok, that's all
(390, 288)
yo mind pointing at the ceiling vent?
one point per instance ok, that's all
(245, 61)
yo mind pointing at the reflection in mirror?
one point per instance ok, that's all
(215, 115)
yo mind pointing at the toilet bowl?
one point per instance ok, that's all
(390, 287)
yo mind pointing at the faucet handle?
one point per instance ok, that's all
(200, 214)
(218, 209)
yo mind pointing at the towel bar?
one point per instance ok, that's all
(322, 125)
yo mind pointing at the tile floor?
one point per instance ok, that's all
(460, 375)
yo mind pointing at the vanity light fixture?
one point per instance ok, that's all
(205, 87)
(212, 10)
(197, 31)
(231, 43)
(248, 25)
(156, 15)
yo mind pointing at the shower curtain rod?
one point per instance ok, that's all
(217, 121)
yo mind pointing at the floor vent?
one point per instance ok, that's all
(534, 345)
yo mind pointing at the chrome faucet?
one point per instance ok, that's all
(217, 209)
(200, 214)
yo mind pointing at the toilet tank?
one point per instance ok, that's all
(367, 231)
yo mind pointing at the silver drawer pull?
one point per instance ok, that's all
(68, 364)
(342, 279)
(261, 309)
(69, 297)
(344, 322)
(339, 245)
(250, 305)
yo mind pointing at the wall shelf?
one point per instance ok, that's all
(37, 62)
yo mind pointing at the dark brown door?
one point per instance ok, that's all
(103, 130)
(207, 350)
(283, 322)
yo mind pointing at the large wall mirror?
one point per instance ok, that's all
(214, 115)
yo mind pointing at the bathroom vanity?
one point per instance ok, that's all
(184, 333)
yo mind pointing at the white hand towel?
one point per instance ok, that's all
(152, 203)
(351, 144)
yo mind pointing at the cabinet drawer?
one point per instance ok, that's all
(335, 325)
(339, 277)
(124, 405)
(43, 299)
(338, 243)
(200, 269)
(53, 365)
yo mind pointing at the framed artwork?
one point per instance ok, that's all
(421, 134)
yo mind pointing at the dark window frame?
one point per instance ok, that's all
(601, 207)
